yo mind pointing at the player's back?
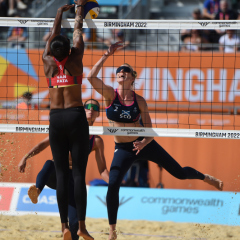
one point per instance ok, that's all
(64, 79)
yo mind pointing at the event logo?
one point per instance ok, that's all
(121, 202)
(23, 21)
(125, 114)
(203, 24)
(112, 130)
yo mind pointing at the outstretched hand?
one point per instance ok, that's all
(114, 47)
(65, 7)
(81, 2)
(22, 165)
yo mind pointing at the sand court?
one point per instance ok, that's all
(35, 227)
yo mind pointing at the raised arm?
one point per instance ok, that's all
(56, 30)
(34, 151)
(106, 91)
(100, 158)
(77, 33)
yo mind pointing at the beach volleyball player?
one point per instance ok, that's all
(123, 109)
(47, 175)
(68, 129)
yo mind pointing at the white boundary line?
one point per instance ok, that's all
(124, 23)
(125, 131)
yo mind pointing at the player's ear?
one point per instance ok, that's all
(133, 80)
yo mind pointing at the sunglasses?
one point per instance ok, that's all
(124, 68)
(90, 105)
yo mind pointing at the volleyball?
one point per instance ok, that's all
(91, 9)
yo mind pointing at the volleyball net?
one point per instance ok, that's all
(191, 82)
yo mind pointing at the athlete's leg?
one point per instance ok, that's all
(67, 234)
(79, 148)
(122, 160)
(44, 175)
(73, 221)
(72, 210)
(213, 181)
(155, 153)
(33, 193)
(60, 150)
(43, 178)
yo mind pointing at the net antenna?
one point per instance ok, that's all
(192, 89)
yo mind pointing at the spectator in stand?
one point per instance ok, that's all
(17, 36)
(12, 10)
(104, 36)
(87, 35)
(121, 36)
(194, 42)
(229, 43)
(235, 4)
(3, 8)
(47, 34)
(225, 13)
(196, 14)
(26, 101)
(210, 9)
(108, 37)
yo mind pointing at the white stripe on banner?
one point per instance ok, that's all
(125, 131)
(123, 23)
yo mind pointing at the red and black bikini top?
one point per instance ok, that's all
(61, 79)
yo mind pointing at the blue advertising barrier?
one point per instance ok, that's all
(168, 205)
(47, 201)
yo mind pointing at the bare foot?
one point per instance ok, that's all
(85, 235)
(112, 235)
(67, 234)
(213, 181)
(33, 194)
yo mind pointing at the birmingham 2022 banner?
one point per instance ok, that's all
(162, 76)
(200, 82)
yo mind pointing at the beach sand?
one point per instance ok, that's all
(35, 227)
